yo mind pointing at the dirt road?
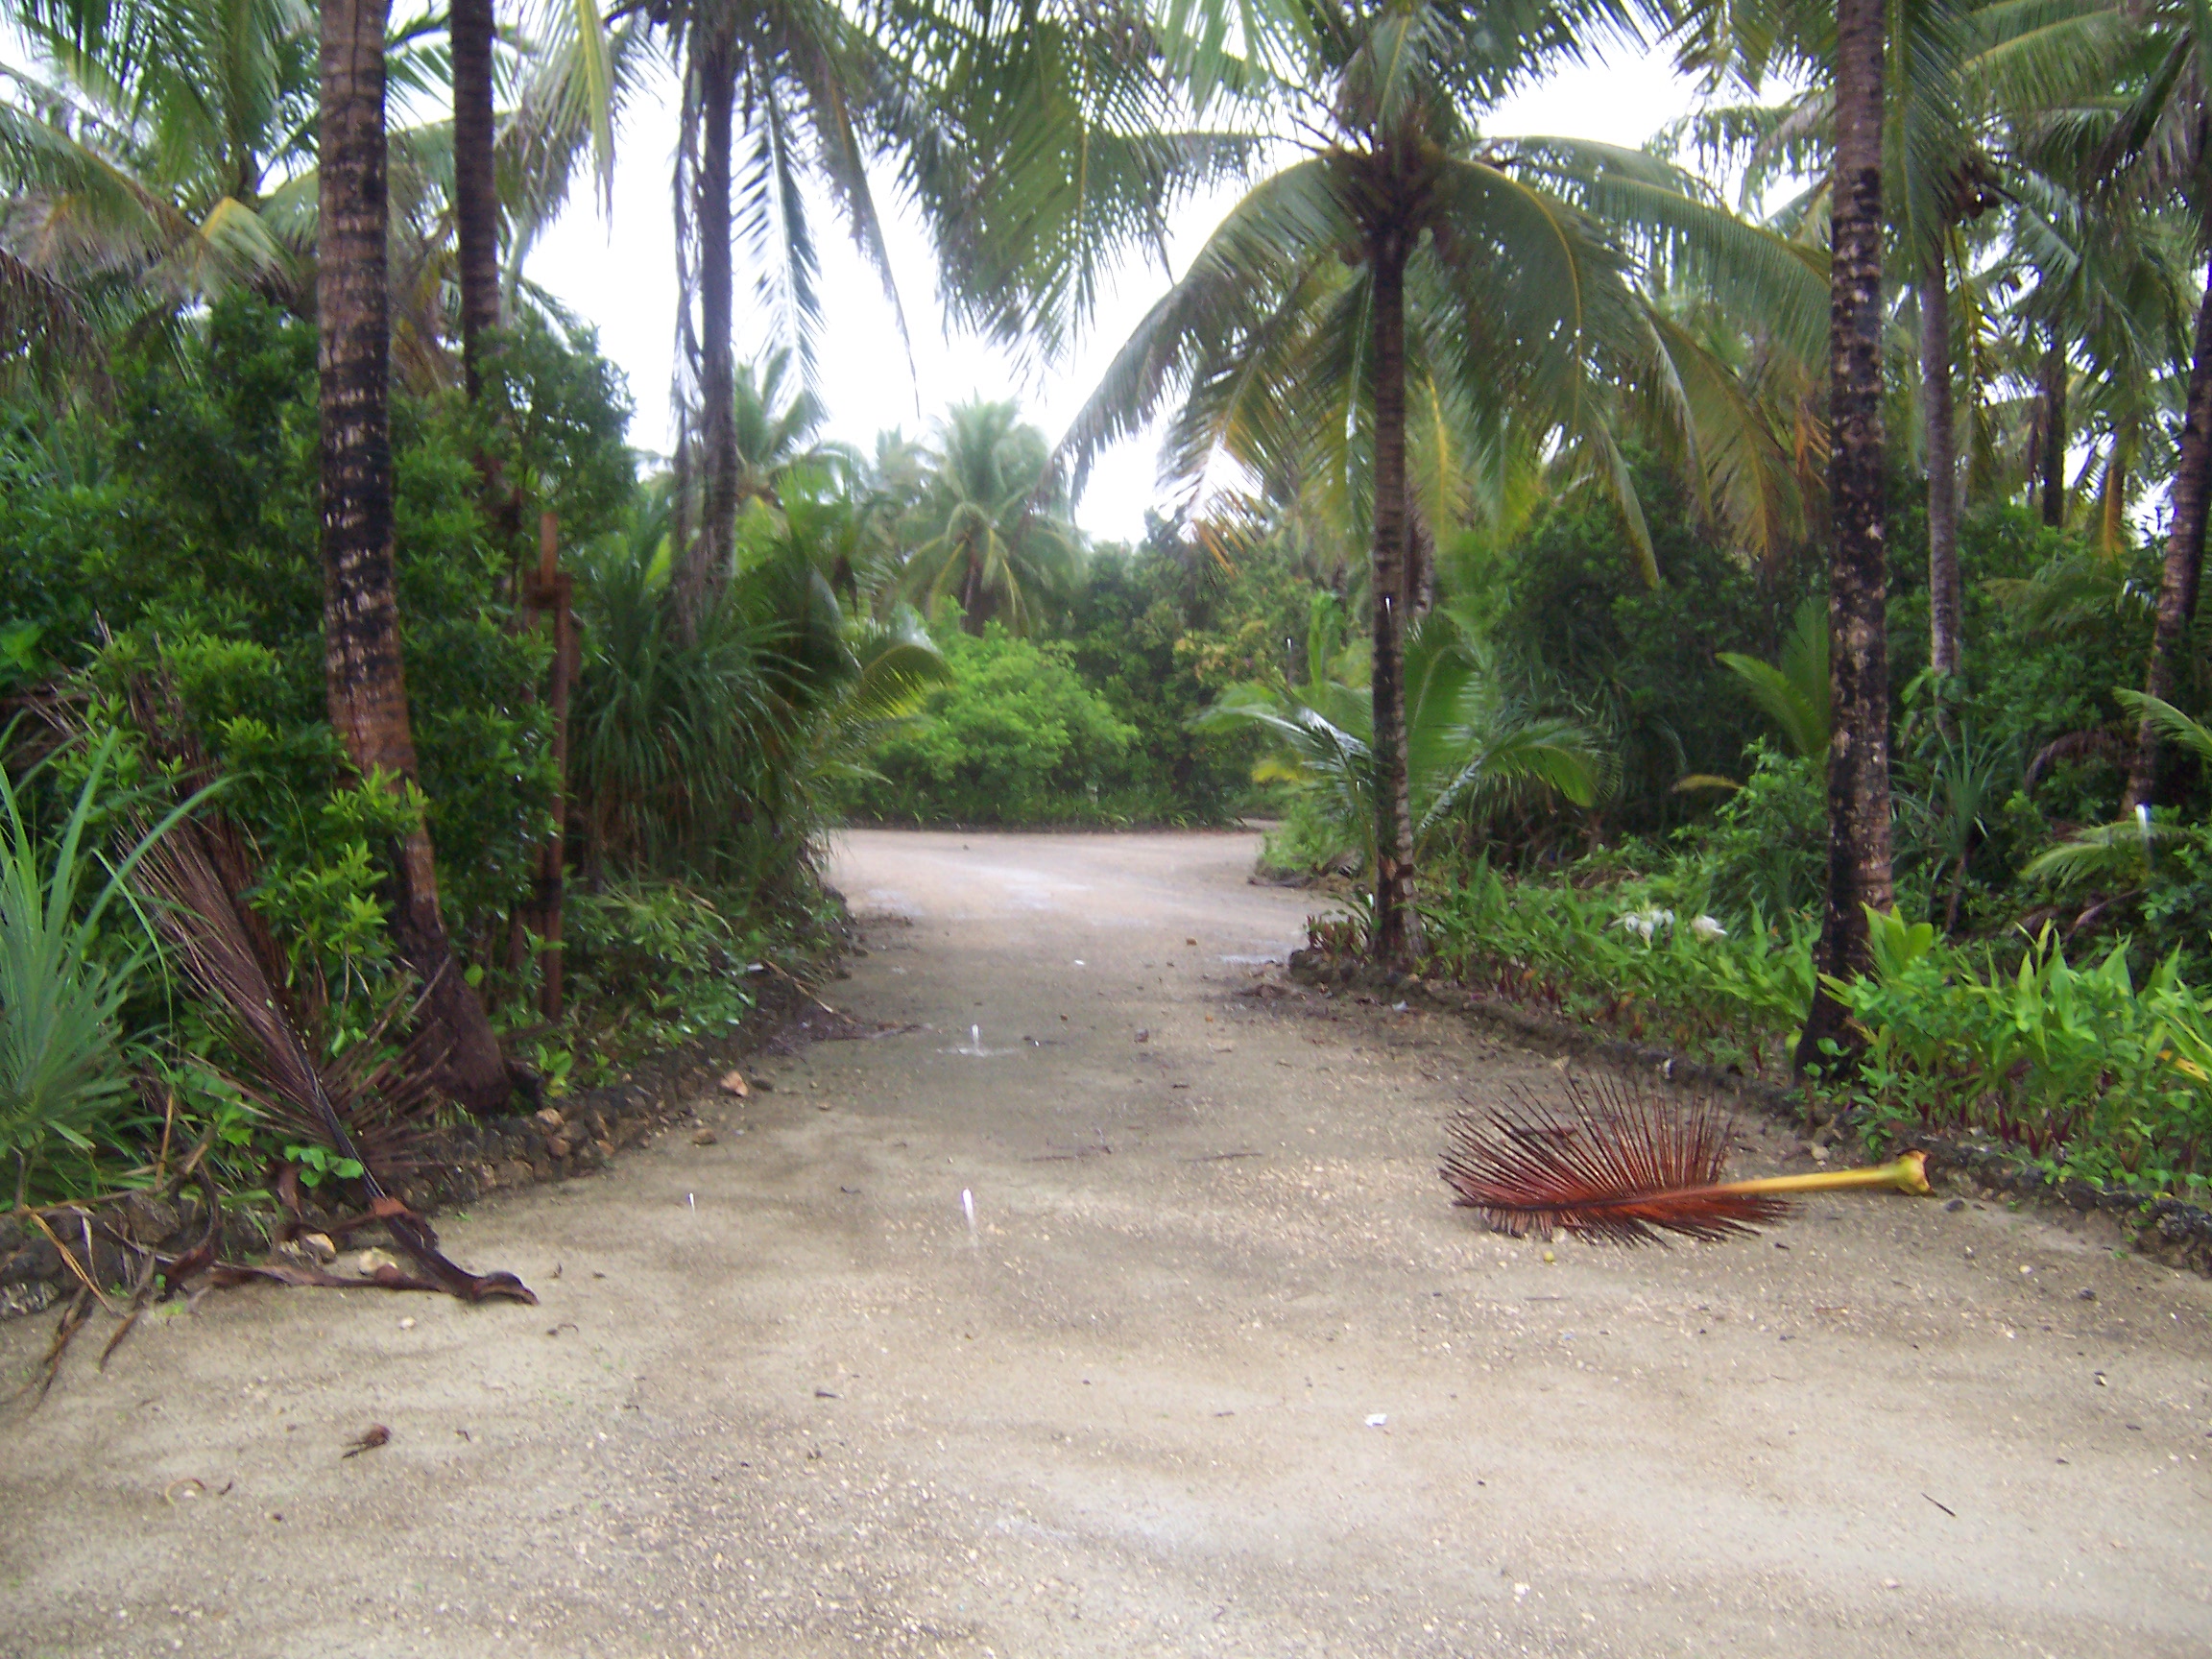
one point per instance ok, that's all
(1216, 1370)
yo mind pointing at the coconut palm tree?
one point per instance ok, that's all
(365, 691)
(1409, 260)
(2147, 148)
(991, 529)
(163, 154)
(773, 428)
(469, 25)
(1036, 143)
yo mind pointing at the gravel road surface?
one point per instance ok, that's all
(1210, 1368)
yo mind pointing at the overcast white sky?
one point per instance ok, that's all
(619, 273)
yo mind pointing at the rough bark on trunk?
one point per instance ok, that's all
(1420, 561)
(2054, 456)
(1942, 445)
(2184, 557)
(366, 690)
(475, 201)
(1397, 938)
(1859, 874)
(705, 562)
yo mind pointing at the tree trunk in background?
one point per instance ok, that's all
(1942, 445)
(1420, 561)
(366, 690)
(554, 593)
(2184, 557)
(1397, 938)
(2054, 457)
(1858, 873)
(475, 196)
(706, 564)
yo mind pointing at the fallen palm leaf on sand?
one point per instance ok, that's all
(1625, 1167)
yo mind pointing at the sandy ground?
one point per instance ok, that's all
(1217, 1370)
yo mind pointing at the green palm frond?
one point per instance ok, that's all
(1793, 693)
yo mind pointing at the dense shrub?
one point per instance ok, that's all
(1015, 737)
(1568, 603)
(187, 525)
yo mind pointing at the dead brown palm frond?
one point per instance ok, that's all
(1623, 1166)
(210, 938)
(191, 878)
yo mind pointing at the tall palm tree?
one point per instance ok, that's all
(366, 690)
(469, 25)
(1037, 143)
(1408, 259)
(1859, 867)
(777, 94)
(2158, 147)
(991, 529)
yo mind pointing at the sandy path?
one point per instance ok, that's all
(779, 1401)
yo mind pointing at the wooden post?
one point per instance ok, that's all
(550, 593)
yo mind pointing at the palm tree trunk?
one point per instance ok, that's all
(1943, 596)
(2054, 456)
(1397, 937)
(706, 560)
(1858, 670)
(1420, 559)
(475, 201)
(2184, 556)
(365, 691)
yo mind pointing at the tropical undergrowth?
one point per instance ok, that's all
(2046, 979)
(168, 541)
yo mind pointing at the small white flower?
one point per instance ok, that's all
(1646, 923)
(1708, 928)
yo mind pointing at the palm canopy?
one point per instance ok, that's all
(1527, 330)
(775, 427)
(164, 152)
(990, 529)
(164, 148)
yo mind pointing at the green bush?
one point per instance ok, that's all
(188, 524)
(1641, 956)
(1159, 630)
(2079, 1068)
(1016, 737)
(2076, 1065)
(1567, 602)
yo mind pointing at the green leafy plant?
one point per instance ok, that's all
(1794, 692)
(318, 1164)
(1471, 746)
(65, 974)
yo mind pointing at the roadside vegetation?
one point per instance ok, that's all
(1739, 592)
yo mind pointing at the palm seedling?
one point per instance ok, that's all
(1792, 692)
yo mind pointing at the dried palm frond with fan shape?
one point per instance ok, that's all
(1619, 1164)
